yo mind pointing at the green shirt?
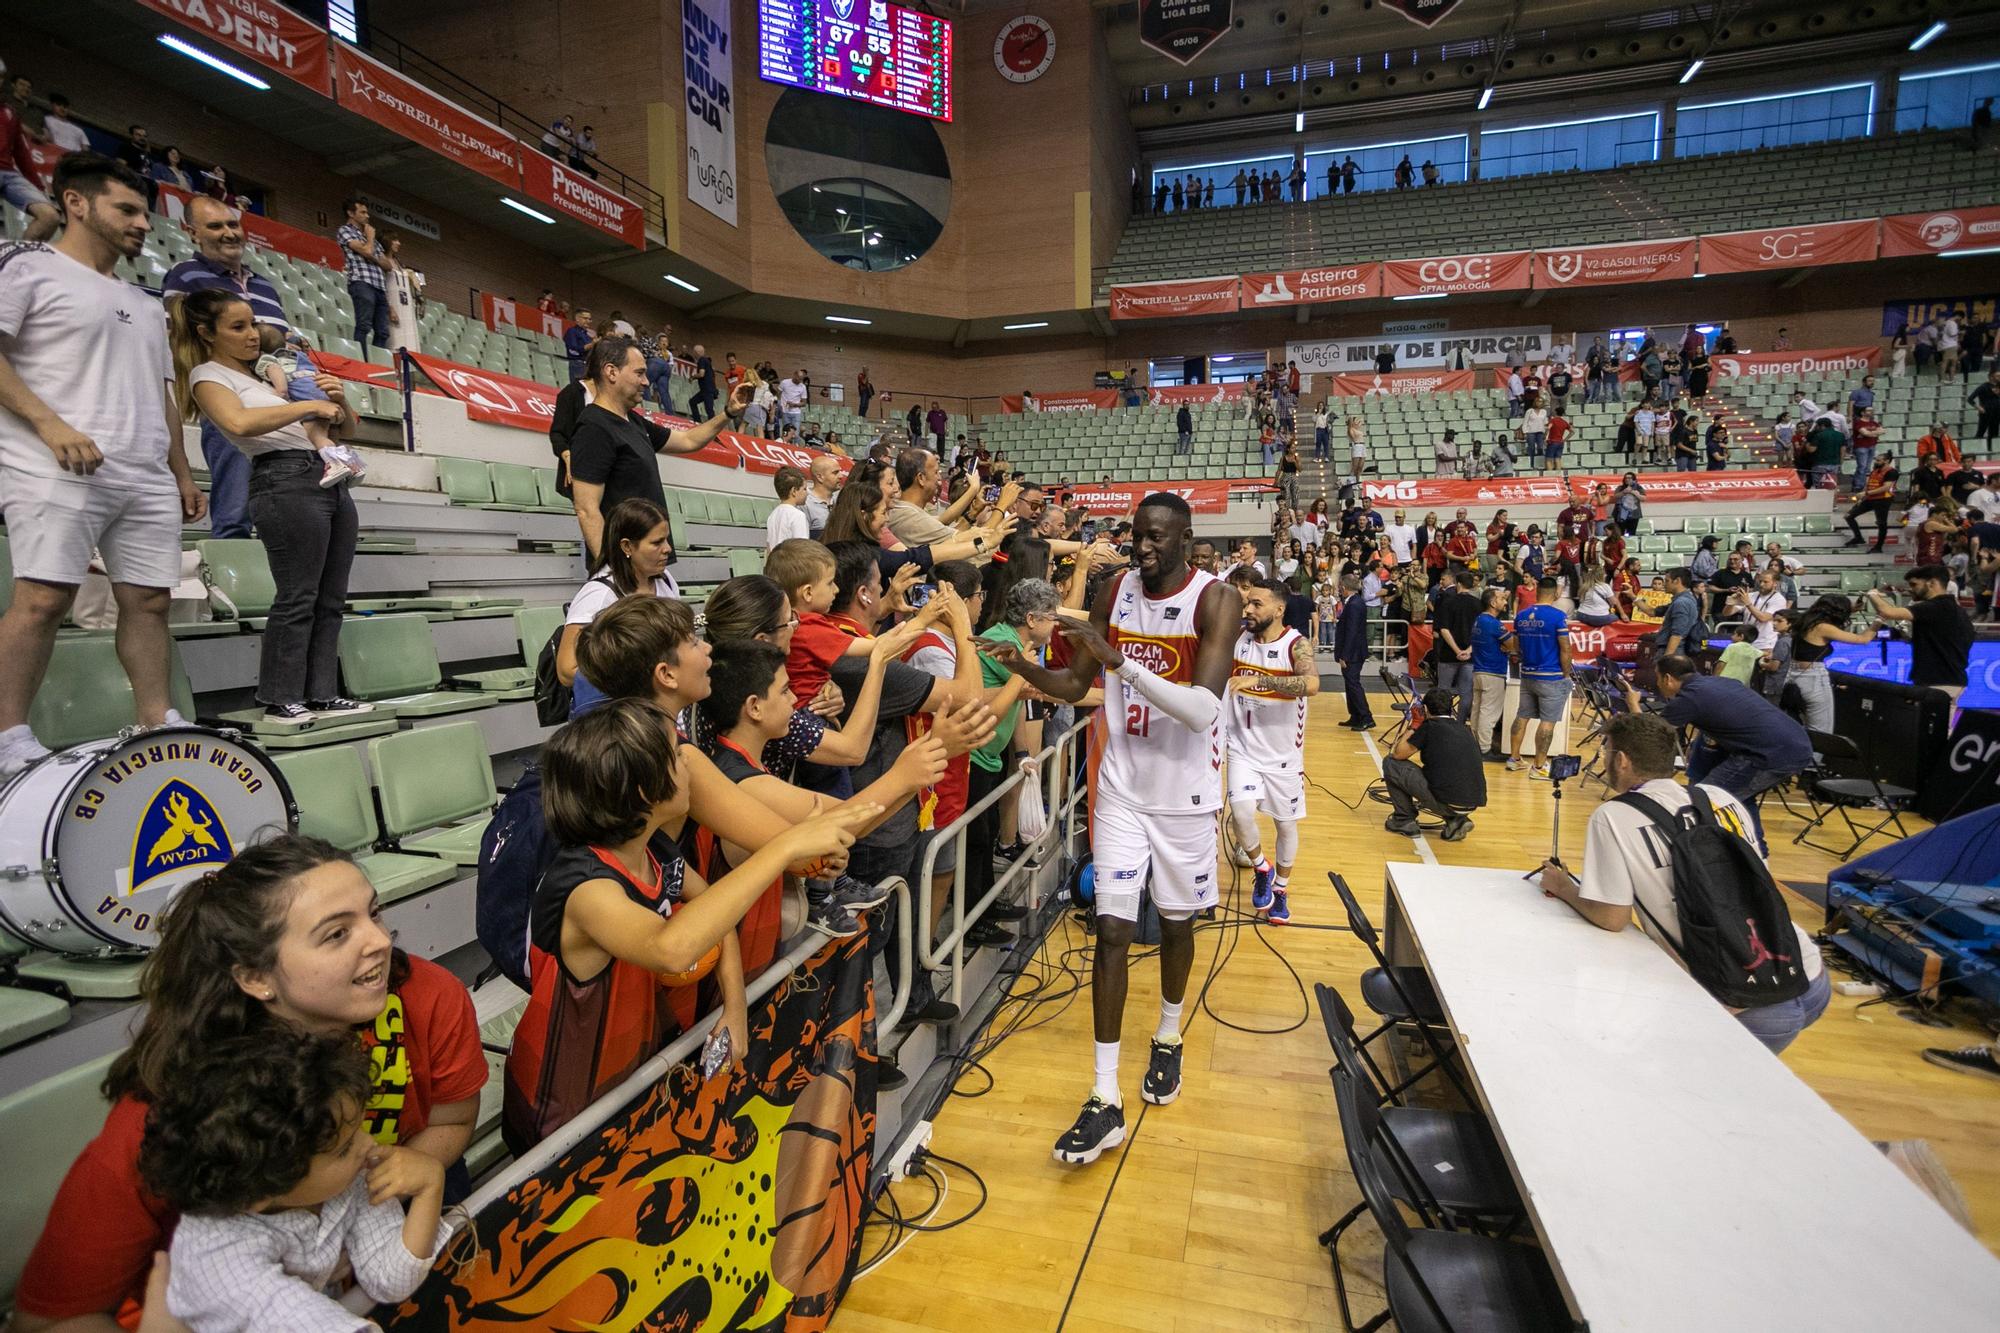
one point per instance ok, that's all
(1827, 442)
(991, 674)
(1739, 661)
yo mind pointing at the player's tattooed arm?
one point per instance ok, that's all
(1303, 683)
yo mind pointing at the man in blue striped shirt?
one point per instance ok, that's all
(218, 234)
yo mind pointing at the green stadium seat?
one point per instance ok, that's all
(1757, 524)
(1853, 581)
(743, 512)
(438, 779)
(466, 481)
(391, 661)
(549, 499)
(85, 696)
(1788, 523)
(514, 486)
(336, 803)
(45, 1126)
(1819, 525)
(533, 626)
(695, 505)
(240, 570)
(28, 1013)
(1697, 527)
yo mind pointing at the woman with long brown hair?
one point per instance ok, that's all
(288, 932)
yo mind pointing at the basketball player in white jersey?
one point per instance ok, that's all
(1161, 634)
(1272, 677)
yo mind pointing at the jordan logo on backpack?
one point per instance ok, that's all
(1760, 953)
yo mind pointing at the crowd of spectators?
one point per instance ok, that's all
(1189, 191)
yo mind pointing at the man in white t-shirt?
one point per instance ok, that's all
(791, 399)
(1628, 869)
(788, 518)
(90, 445)
(1305, 532)
(1761, 608)
(1402, 539)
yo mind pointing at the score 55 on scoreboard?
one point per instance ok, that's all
(870, 49)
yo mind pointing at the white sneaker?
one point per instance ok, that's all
(336, 472)
(18, 750)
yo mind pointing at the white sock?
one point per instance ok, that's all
(174, 718)
(1281, 882)
(1170, 1023)
(1106, 1086)
(20, 742)
(1260, 863)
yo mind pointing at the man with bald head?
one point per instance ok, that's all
(218, 236)
(821, 483)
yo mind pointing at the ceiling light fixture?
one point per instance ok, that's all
(534, 213)
(1928, 35)
(1960, 254)
(1036, 324)
(221, 66)
(1299, 123)
(1486, 97)
(681, 283)
(1422, 296)
(847, 319)
(1692, 70)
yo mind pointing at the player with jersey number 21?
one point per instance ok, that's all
(1163, 636)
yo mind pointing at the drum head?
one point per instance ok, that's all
(147, 815)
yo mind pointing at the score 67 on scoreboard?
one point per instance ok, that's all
(870, 49)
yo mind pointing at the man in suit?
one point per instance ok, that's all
(1350, 649)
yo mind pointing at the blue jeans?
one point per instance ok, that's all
(371, 313)
(1322, 442)
(1864, 459)
(1270, 455)
(1326, 632)
(659, 373)
(228, 484)
(1778, 1025)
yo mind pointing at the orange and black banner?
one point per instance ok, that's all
(734, 1202)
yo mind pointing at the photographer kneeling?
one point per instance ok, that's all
(1451, 782)
(1629, 861)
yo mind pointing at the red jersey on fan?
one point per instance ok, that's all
(1575, 520)
(938, 806)
(1461, 539)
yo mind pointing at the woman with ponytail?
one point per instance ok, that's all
(288, 932)
(308, 528)
(1814, 632)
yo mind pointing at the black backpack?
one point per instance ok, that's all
(553, 699)
(1736, 936)
(514, 851)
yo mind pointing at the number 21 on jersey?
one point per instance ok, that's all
(1138, 720)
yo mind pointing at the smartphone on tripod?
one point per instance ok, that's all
(1562, 767)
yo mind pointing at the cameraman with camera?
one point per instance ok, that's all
(1451, 782)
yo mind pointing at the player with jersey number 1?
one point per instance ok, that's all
(1161, 635)
(1273, 675)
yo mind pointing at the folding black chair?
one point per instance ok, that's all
(1402, 693)
(1399, 995)
(1439, 1281)
(1842, 780)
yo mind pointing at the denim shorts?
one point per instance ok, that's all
(1543, 701)
(19, 191)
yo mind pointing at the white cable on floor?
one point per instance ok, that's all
(943, 1190)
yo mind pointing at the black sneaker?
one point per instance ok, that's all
(1854, 541)
(1005, 911)
(1006, 854)
(338, 707)
(857, 895)
(986, 935)
(1407, 827)
(1098, 1126)
(1977, 1060)
(289, 715)
(829, 918)
(1163, 1073)
(888, 1074)
(932, 1010)
(1456, 829)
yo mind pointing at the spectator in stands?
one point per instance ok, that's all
(1682, 627)
(61, 131)
(1445, 455)
(1987, 399)
(791, 395)
(788, 516)
(169, 169)
(824, 475)
(1453, 611)
(763, 406)
(1626, 864)
(920, 481)
(577, 341)
(245, 950)
(559, 140)
(1542, 635)
(98, 472)
(1949, 331)
(1828, 443)
(612, 450)
(1683, 439)
(367, 285)
(1941, 633)
(1184, 432)
(218, 266)
(1747, 746)
(1406, 175)
(939, 423)
(1760, 608)
(15, 186)
(639, 548)
(584, 155)
(308, 530)
(1628, 504)
(1287, 476)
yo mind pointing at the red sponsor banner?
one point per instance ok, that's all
(1400, 384)
(268, 33)
(1771, 248)
(1090, 400)
(1607, 265)
(1506, 270)
(505, 316)
(260, 230)
(1941, 232)
(1173, 395)
(1448, 493)
(578, 196)
(1811, 361)
(765, 457)
(1203, 497)
(1163, 300)
(361, 372)
(1307, 286)
(1780, 483)
(369, 88)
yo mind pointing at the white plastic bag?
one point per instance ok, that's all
(1031, 818)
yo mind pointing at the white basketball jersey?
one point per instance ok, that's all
(1146, 760)
(1266, 730)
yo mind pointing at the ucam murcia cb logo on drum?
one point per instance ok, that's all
(180, 829)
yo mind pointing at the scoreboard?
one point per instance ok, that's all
(870, 49)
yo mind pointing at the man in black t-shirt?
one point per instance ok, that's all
(1457, 606)
(1940, 631)
(612, 449)
(1451, 781)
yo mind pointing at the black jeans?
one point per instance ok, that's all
(1410, 791)
(1879, 508)
(872, 865)
(308, 531)
(982, 835)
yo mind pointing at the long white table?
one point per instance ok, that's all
(1681, 1178)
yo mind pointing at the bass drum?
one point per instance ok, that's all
(97, 839)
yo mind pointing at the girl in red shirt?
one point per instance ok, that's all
(289, 929)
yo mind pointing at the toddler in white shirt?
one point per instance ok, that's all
(287, 366)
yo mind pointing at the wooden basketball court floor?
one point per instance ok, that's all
(1208, 1216)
